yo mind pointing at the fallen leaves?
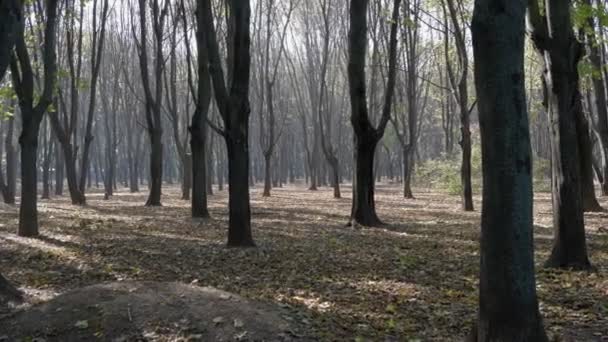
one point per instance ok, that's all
(415, 279)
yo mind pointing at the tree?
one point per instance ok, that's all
(198, 127)
(366, 135)
(593, 46)
(234, 108)
(407, 124)
(270, 59)
(65, 128)
(153, 100)
(508, 307)
(460, 89)
(32, 114)
(11, 16)
(554, 40)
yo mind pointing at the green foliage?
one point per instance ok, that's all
(7, 97)
(444, 173)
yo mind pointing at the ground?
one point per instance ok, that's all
(415, 279)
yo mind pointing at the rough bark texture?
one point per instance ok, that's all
(508, 306)
(554, 39)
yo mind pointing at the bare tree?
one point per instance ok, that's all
(366, 135)
(153, 100)
(232, 100)
(552, 35)
(32, 114)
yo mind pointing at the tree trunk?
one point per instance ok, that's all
(590, 203)
(59, 170)
(267, 175)
(364, 206)
(561, 53)
(156, 168)
(465, 170)
(239, 231)
(407, 173)
(199, 171)
(600, 101)
(187, 177)
(28, 212)
(335, 181)
(508, 305)
(70, 172)
(8, 192)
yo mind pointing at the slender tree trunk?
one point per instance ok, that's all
(59, 170)
(599, 92)
(508, 306)
(156, 168)
(407, 173)
(590, 203)
(267, 174)
(335, 174)
(187, 177)
(465, 170)
(11, 165)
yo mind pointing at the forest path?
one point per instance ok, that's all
(416, 278)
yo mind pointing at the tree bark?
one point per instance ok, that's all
(28, 211)
(600, 101)
(508, 305)
(156, 168)
(9, 187)
(553, 37)
(235, 109)
(366, 136)
(239, 233)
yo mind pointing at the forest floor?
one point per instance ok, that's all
(415, 279)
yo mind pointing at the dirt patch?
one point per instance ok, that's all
(158, 311)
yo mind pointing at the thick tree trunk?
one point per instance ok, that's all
(199, 171)
(239, 231)
(508, 305)
(156, 168)
(364, 206)
(28, 212)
